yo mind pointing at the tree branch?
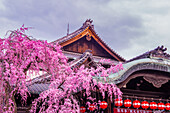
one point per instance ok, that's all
(61, 85)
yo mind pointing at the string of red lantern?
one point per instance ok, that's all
(92, 107)
(145, 105)
(127, 103)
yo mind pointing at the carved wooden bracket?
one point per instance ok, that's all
(88, 37)
(157, 82)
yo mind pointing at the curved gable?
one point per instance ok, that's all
(86, 38)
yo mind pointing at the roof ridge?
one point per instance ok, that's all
(60, 40)
(157, 52)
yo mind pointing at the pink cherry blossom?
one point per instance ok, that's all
(22, 57)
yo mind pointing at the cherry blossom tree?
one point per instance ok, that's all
(22, 56)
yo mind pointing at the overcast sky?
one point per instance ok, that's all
(129, 27)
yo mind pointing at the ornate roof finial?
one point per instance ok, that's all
(160, 52)
(88, 22)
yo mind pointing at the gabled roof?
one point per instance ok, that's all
(87, 30)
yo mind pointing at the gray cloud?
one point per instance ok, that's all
(127, 26)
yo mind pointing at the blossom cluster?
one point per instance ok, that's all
(21, 56)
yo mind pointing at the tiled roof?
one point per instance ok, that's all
(158, 52)
(137, 65)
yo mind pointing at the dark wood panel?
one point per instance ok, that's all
(81, 45)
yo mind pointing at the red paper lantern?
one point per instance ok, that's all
(161, 106)
(145, 105)
(136, 103)
(127, 103)
(82, 109)
(153, 105)
(103, 105)
(92, 107)
(118, 102)
(167, 106)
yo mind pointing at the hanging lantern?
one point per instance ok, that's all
(145, 105)
(161, 106)
(136, 103)
(118, 102)
(127, 103)
(92, 107)
(167, 106)
(103, 105)
(153, 105)
(82, 109)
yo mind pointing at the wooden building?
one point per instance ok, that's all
(145, 77)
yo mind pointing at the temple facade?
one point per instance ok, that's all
(144, 78)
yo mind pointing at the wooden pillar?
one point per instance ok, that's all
(109, 107)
